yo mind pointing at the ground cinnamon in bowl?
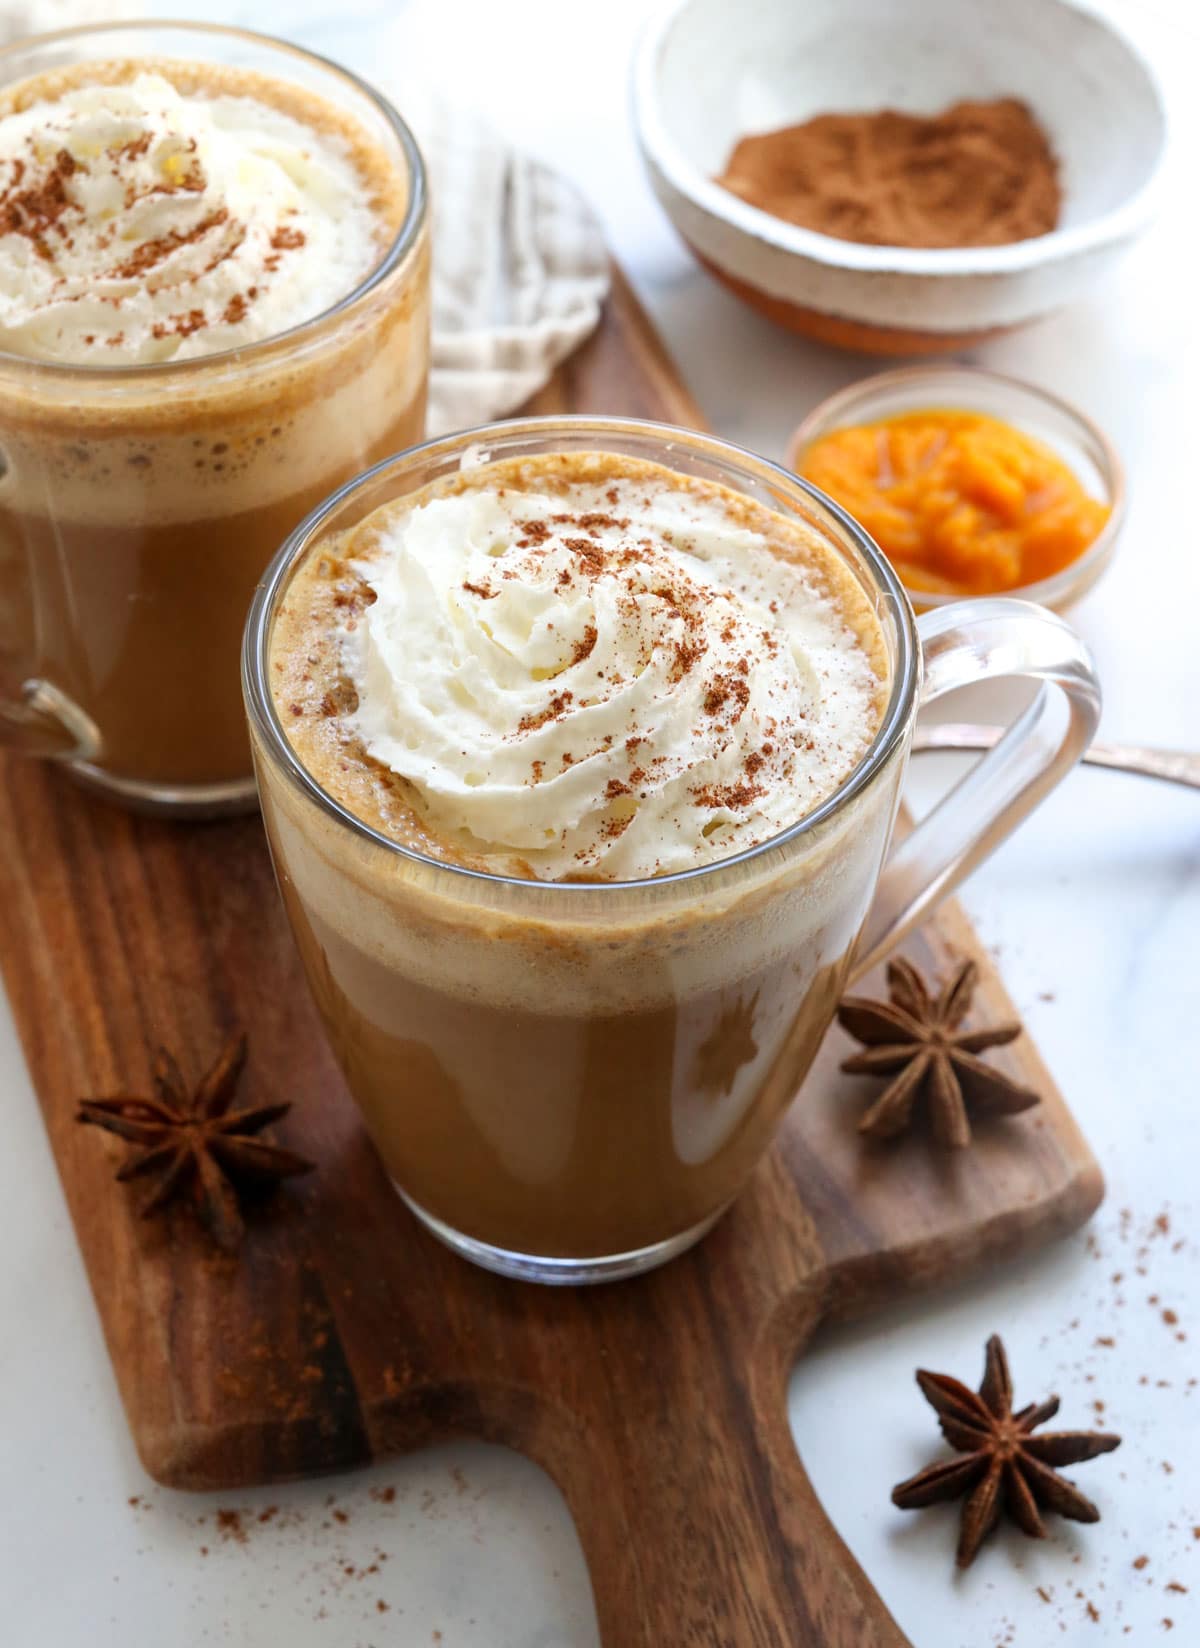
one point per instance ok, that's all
(978, 174)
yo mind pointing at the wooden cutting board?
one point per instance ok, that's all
(346, 1333)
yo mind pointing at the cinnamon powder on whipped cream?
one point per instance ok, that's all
(542, 686)
(143, 220)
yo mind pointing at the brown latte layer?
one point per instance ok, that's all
(557, 1070)
(138, 506)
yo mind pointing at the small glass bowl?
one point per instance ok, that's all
(1036, 412)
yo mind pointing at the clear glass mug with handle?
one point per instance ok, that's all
(571, 1081)
(139, 503)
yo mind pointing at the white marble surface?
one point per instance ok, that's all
(1094, 911)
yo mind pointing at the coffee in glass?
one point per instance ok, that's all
(579, 745)
(215, 310)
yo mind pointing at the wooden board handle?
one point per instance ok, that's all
(689, 1540)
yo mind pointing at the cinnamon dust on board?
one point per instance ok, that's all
(978, 174)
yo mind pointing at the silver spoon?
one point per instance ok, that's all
(1175, 766)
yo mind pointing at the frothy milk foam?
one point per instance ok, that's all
(143, 225)
(580, 667)
(164, 213)
(620, 681)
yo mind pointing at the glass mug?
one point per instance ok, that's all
(571, 1082)
(139, 504)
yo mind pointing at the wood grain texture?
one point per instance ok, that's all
(346, 1333)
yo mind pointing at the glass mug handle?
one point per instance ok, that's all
(38, 719)
(986, 640)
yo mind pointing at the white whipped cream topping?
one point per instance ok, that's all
(620, 683)
(139, 224)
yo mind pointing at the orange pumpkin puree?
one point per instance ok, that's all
(960, 503)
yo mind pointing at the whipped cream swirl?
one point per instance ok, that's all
(619, 683)
(139, 223)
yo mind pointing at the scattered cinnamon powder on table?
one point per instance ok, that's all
(978, 174)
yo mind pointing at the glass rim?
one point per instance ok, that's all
(265, 720)
(402, 242)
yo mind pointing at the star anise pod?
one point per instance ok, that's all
(916, 1037)
(194, 1141)
(1004, 1466)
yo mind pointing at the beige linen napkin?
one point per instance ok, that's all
(520, 267)
(519, 262)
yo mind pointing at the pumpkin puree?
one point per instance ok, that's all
(960, 503)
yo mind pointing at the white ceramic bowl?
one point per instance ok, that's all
(708, 71)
